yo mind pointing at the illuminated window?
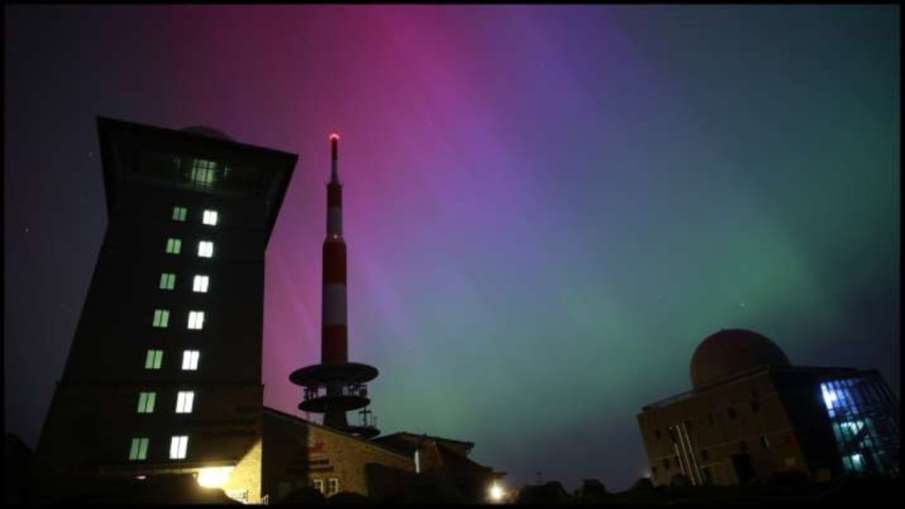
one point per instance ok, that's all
(205, 249)
(203, 171)
(179, 213)
(332, 486)
(196, 320)
(199, 284)
(139, 449)
(190, 360)
(319, 485)
(174, 246)
(161, 318)
(210, 217)
(146, 402)
(167, 281)
(154, 359)
(178, 446)
(184, 402)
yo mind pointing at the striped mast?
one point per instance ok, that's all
(334, 342)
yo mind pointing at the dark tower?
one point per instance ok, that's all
(336, 386)
(164, 372)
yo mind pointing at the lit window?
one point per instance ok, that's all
(154, 359)
(319, 485)
(199, 284)
(179, 213)
(190, 360)
(203, 171)
(146, 402)
(161, 318)
(178, 447)
(210, 217)
(332, 486)
(184, 402)
(205, 249)
(196, 319)
(167, 281)
(174, 246)
(139, 449)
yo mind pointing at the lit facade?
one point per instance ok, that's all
(752, 415)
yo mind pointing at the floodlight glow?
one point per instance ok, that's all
(213, 477)
(496, 493)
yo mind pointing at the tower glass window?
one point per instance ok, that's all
(178, 447)
(205, 249)
(139, 449)
(203, 172)
(154, 359)
(190, 360)
(174, 246)
(167, 281)
(332, 486)
(146, 402)
(179, 213)
(161, 318)
(196, 320)
(210, 217)
(200, 283)
(184, 401)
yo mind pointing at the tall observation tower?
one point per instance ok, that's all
(336, 386)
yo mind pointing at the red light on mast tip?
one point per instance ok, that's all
(334, 136)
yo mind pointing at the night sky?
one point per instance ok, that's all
(546, 208)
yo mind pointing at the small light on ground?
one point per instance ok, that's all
(496, 493)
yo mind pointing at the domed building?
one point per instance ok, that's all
(751, 414)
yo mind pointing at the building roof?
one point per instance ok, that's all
(729, 352)
(152, 155)
(298, 420)
(745, 375)
(408, 441)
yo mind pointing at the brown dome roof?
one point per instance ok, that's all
(731, 351)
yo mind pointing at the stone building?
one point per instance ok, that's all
(751, 414)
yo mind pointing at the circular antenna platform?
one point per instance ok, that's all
(320, 374)
(344, 402)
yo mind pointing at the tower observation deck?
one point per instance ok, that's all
(336, 386)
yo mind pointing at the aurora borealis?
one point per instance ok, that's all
(546, 208)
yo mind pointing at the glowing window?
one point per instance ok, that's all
(210, 217)
(139, 449)
(154, 359)
(146, 402)
(167, 281)
(178, 447)
(184, 402)
(190, 360)
(196, 320)
(203, 172)
(319, 485)
(199, 284)
(332, 486)
(174, 246)
(161, 318)
(205, 249)
(179, 213)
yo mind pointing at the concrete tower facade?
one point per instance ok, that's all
(164, 372)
